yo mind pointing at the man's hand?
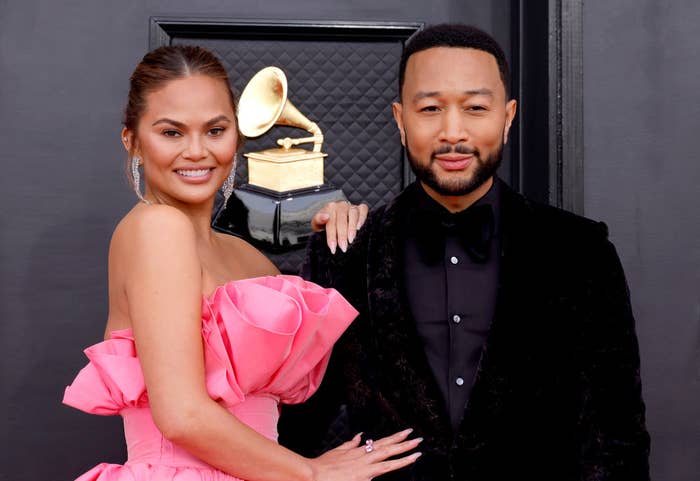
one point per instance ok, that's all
(341, 221)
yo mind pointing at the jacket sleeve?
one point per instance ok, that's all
(616, 442)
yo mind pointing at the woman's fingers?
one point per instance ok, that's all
(341, 221)
(352, 443)
(394, 438)
(341, 224)
(364, 461)
(384, 467)
(391, 450)
(364, 211)
(353, 220)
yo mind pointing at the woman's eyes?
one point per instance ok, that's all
(214, 132)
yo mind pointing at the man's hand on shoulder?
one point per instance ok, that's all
(341, 221)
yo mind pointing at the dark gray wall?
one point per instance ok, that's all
(64, 68)
(642, 177)
(63, 77)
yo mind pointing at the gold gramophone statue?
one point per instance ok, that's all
(264, 104)
(285, 185)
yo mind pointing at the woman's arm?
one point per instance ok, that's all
(164, 293)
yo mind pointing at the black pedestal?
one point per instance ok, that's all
(274, 221)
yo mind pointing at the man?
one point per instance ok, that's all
(497, 328)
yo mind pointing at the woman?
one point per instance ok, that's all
(221, 337)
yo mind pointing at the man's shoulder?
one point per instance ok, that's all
(547, 221)
(565, 222)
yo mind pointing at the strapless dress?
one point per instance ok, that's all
(266, 340)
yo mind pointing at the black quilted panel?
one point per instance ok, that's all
(347, 88)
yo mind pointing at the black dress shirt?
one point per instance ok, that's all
(450, 291)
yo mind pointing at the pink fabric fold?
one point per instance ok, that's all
(270, 335)
(112, 380)
(152, 472)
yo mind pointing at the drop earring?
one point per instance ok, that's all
(229, 183)
(136, 177)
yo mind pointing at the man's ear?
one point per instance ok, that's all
(511, 108)
(398, 109)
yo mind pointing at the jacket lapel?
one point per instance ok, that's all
(406, 383)
(493, 384)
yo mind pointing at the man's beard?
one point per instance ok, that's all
(484, 169)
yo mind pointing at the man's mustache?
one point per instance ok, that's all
(457, 149)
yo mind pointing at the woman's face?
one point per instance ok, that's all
(186, 138)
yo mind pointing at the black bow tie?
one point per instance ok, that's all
(473, 226)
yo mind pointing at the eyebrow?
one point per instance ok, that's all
(180, 125)
(469, 93)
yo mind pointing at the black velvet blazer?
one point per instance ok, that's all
(557, 395)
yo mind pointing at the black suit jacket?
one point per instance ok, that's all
(557, 393)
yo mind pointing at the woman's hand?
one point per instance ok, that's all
(341, 221)
(352, 462)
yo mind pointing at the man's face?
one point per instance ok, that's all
(453, 118)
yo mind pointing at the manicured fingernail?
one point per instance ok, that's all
(416, 455)
(351, 237)
(408, 431)
(343, 246)
(325, 216)
(332, 247)
(418, 440)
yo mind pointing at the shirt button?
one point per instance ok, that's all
(459, 381)
(456, 319)
(454, 260)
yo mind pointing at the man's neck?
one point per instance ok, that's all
(457, 203)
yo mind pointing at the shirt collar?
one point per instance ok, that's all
(419, 200)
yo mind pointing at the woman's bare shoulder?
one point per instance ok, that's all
(153, 222)
(148, 229)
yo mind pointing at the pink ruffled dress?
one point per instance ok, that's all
(266, 340)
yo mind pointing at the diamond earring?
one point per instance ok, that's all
(136, 177)
(227, 186)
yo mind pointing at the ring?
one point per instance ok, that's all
(369, 446)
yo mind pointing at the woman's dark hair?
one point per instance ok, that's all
(165, 64)
(454, 35)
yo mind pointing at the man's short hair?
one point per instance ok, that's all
(454, 35)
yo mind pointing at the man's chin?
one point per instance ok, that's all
(454, 186)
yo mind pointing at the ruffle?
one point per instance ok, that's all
(112, 380)
(152, 472)
(269, 335)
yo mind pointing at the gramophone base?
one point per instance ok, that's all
(284, 170)
(274, 221)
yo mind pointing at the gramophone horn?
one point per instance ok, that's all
(264, 103)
